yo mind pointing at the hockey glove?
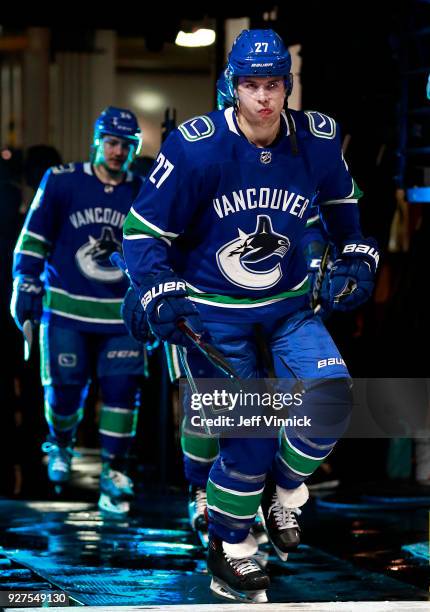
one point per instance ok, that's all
(166, 303)
(26, 303)
(135, 318)
(352, 277)
(132, 312)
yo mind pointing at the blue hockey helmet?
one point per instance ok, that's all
(223, 96)
(118, 122)
(260, 53)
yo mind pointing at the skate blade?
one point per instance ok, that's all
(112, 507)
(221, 590)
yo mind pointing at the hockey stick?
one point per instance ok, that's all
(316, 290)
(27, 330)
(209, 351)
(211, 354)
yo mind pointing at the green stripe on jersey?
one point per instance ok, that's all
(32, 243)
(83, 308)
(356, 192)
(312, 220)
(227, 299)
(134, 226)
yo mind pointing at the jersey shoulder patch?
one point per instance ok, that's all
(321, 125)
(197, 128)
(63, 169)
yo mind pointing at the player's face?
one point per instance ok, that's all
(261, 99)
(116, 152)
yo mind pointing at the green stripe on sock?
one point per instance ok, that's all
(118, 422)
(61, 422)
(297, 462)
(237, 503)
(201, 447)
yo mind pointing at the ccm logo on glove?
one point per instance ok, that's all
(365, 249)
(161, 289)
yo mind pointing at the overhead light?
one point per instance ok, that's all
(149, 101)
(200, 38)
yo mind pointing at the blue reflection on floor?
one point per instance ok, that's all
(355, 549)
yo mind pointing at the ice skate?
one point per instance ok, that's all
(197, 512)
(235, 573)
(116, 491)
(281, 508)
(59, 463)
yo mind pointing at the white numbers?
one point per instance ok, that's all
(162, 162)
(259, 45)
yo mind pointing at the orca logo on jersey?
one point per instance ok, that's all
(240, 260)
(93, 257)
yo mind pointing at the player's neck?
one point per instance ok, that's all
(110, 178)
(259, 135)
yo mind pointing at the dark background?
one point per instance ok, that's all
(364, 63)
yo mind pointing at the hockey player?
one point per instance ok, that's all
(200, 451)
(65, 281)
(213, 238)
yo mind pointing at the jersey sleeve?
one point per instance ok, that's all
(161, 211)
(37, 235)
(337, 193)
(336, 185)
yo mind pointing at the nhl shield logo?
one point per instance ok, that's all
(266, 157)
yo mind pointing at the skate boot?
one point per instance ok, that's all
(197, 512)
(59, 463)
(281, 507)
(116, 491)
(235, 573)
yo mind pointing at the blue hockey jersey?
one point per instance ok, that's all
(74, 223)
(228, 216)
